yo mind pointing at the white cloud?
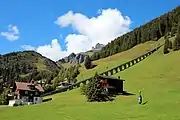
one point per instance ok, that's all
(108, 25)
(12, 34)
(77, 43)
(52, 51)
(101, 29)
(28, 47)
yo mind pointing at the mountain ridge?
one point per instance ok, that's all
(26, 65)
(80, 57)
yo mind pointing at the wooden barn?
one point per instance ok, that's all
(111, 84)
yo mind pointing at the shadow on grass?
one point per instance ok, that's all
(47, 100)
(93, 66)
(127, 93)
(144, 102)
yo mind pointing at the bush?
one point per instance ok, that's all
(15, 104)
(83, 89)
(4, 97)
(49, 88)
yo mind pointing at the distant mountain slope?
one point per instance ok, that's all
(80, 57)
(27, 65)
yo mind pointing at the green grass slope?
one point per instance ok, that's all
(157, 76)
(117, 59)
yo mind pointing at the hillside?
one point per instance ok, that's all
(151, 31)
(157, 76)
(117, 59)
(24, 66)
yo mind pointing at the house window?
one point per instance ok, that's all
(36, 99)
(31, 94)
(36, 93)
(26, 92)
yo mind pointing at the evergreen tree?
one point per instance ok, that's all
(170, 44)
(87, 62)
(166, 46)
(176, 44)
(94, 91)
(173, 31)
(83, 89)
(4, 97)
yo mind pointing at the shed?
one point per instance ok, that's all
(111, 84)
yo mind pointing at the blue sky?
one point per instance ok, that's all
(35, 20)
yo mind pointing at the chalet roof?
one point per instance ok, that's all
(109, 77)
(24, 86)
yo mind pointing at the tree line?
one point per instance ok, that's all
(65, 74)
(174, 45)
(153, 30)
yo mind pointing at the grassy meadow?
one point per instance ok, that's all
(117, 59)
(157, 76)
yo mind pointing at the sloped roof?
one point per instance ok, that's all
(109, 77)
(24, 86)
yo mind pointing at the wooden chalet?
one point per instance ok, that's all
(26, 93)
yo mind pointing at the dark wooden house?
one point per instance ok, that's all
(111, 84)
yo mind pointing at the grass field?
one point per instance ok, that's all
(157, 76)
(117, 59)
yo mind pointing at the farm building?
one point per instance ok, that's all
(25, 93)
(111, 84)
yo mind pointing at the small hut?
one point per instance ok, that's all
(111, 84)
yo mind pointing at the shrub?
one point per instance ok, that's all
(83, 89)
(4, 97)
(15, 104)
(49, 88)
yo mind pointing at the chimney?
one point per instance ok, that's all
(41, 83)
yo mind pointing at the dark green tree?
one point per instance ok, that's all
(170, 44)
(166, 46)
(88, 62)
(173, 31)
(83, 89)
(176, 44)
(94, 91)
(4, 97)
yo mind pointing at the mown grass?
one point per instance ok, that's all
(157, 76)
(117, 59)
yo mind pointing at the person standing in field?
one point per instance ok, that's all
(140, 98)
